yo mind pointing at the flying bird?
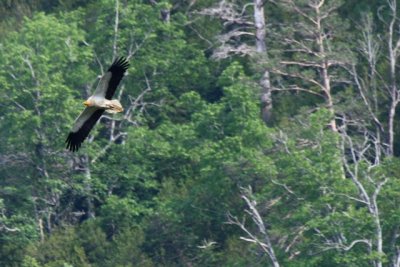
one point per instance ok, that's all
(100, 101)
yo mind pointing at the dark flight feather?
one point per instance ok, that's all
(117, 70)
(75, 139)
(77, 136)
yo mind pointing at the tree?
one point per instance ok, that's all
(39, 93)
(210, 156)
(313, 51)
(189, 174)
(264, 240)
(238, 27)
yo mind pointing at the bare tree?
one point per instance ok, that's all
(393, 43)
(372, 49)
(261, 238)
(365, 154)
(359, 168)
(239, 24)
(261, 48)
(313, 61)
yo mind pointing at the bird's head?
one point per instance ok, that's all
(87, 103)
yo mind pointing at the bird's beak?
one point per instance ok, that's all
(86, 103)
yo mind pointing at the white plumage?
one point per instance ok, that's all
(99, 102)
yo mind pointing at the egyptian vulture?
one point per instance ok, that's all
(96, 104)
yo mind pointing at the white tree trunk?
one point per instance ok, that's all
(261, 48)
(393, 55)
(261, 238)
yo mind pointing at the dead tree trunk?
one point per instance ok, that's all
(262, 238)
(393, 47)
(261, 48)
(367, 197)
(312, 58)
(241, 24)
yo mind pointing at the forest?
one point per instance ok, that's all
(254, 133)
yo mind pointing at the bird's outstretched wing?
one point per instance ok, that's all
(110, 80)
(82, 126)
(88, 118)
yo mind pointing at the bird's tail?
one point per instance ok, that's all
(114, 106)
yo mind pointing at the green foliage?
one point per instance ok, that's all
(159, 194)
(60, 249)
(220, 152)
(88, 245)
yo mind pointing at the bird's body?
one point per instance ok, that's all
(96, 104)
(110, 106)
